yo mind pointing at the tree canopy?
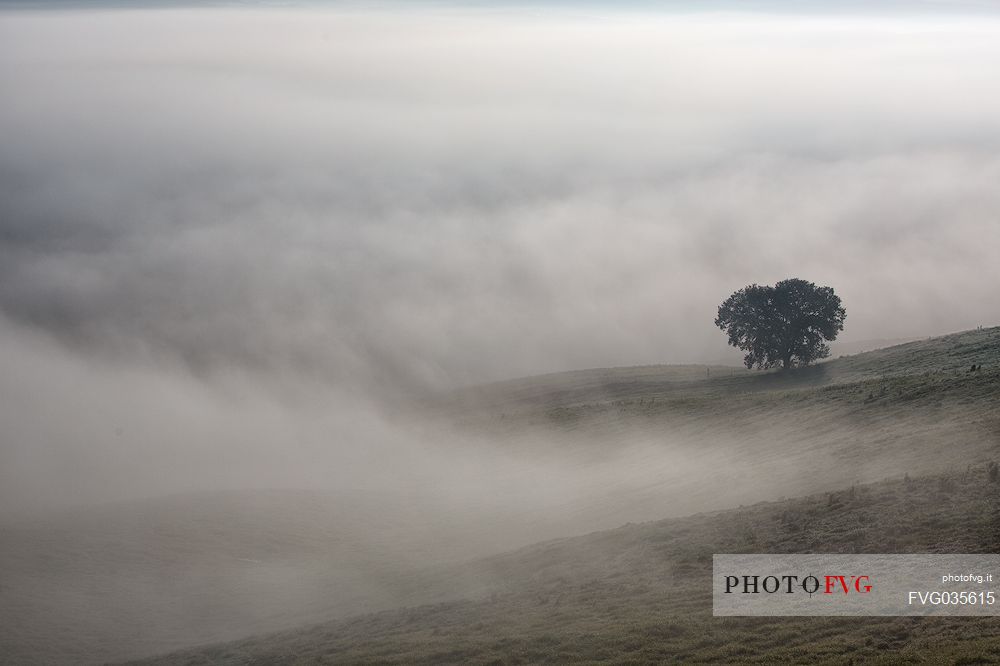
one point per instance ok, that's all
(785, 325)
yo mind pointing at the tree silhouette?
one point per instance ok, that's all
(784, 325)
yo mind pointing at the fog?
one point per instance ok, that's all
(443, 198)
(233, 240)
(240, 247)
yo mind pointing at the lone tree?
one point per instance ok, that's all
(782, 325)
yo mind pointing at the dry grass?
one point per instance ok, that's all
(127, 581)
(641, 593)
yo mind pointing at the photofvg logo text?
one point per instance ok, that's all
(858, 585)
(791, 584)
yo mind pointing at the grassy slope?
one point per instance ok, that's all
(950, 355)
(640, 592)
(129, 580)
(855, 419)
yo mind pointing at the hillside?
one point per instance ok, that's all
(696, 438)
(641, 593)
(950, 355)
(538, 458)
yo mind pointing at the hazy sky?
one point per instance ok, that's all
(411, 198)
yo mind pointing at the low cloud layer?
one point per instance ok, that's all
(386, 202)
